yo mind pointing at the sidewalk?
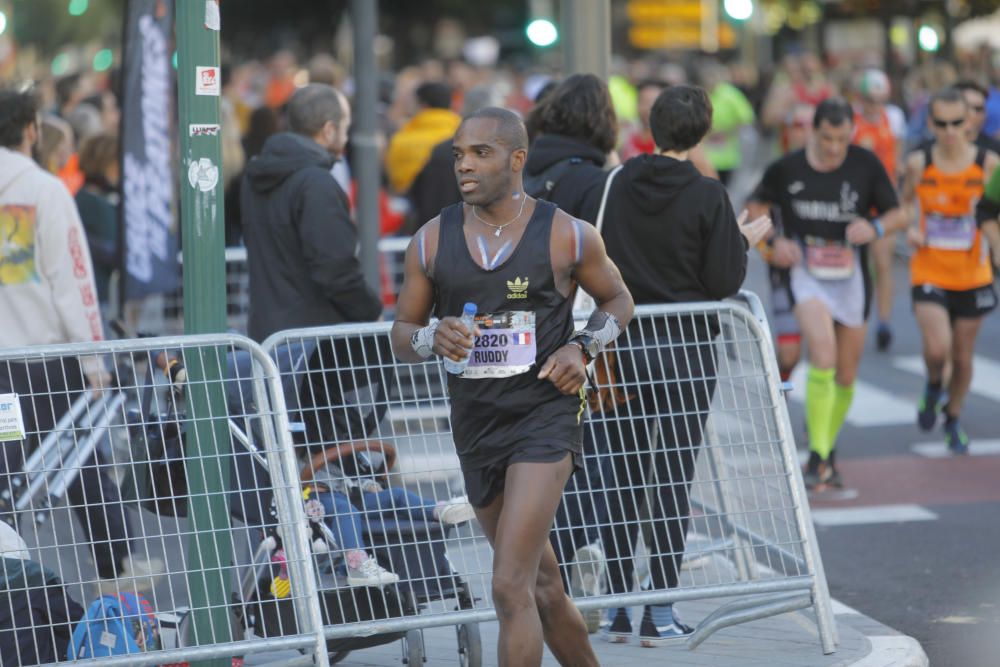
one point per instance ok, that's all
(789, 640)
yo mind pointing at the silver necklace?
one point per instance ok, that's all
(500, 228)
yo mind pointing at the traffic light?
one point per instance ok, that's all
(928, 38)
(77, 7)
(738, 10)
(542, 32)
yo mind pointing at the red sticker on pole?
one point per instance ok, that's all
(207, 81)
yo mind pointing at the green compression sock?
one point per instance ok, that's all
(842, 399)
(819, 410)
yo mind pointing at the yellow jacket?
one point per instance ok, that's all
(410, 148)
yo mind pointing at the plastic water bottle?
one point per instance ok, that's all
(469, 320)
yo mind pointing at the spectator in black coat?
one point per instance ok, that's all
(299, 235)
(675, 238)
(301, 245)
(578, 130)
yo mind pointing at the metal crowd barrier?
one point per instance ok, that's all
(168, 317)
(694, 441)
(124, 479)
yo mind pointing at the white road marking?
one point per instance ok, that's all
(938, 450)
(857, 516)
(985, 373)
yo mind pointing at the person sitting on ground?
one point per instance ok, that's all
(351, 503)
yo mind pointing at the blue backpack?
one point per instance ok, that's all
(112, 625)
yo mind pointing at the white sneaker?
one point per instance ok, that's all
(455, 511)
(370, 573)
(587, 580)
(137, 574)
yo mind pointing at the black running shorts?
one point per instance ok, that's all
(483, 485)
(960, 304)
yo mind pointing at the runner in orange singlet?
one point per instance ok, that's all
(950, 271)
(874, 130)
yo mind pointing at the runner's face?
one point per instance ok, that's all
(485, 168)
(947, 121)
(831, 142)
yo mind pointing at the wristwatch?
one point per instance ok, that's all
(587, 343)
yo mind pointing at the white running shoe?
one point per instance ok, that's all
(587, 580)
(370, 573)
(455, 511)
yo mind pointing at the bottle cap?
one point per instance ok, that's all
(469, 309)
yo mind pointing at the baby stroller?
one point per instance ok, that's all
(414, 550)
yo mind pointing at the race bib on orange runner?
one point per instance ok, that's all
(945, 232)
(506, 346)
(829, 260)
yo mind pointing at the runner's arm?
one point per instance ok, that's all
(885, 201)
(596, 274)
(908, 204)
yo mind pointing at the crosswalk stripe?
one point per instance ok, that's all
(938, 450)
(985, 373)
(871, 407)
(857, 516)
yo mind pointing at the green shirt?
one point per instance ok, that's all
(730, 111)
(993, 187)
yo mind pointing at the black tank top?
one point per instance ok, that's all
(496, 408)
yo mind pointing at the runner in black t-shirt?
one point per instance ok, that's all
(824, 191)
(516, 411)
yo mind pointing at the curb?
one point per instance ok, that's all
(889, 648)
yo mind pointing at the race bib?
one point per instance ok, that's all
(829, 260)
(946, 232)
(506, 346)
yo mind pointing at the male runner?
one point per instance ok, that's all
(950, 270)
(824, 191)
(880, 127)
(516, 411)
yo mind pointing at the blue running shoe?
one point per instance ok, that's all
(955, 437)
(883, 336)
(928, 408)
(660, 625)
(617, 626)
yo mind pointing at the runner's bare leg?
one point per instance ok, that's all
(528, 593)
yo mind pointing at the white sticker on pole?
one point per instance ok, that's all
(203, 174)
(202, 130)
(212, 19)
(11, 422)
(207, 81)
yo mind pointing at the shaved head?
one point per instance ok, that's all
(510, 127)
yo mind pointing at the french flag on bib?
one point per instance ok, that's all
(523, 338)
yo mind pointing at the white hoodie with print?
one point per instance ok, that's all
(47, 292)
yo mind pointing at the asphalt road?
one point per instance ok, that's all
(917, 549)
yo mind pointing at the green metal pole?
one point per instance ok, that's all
(206, 434)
